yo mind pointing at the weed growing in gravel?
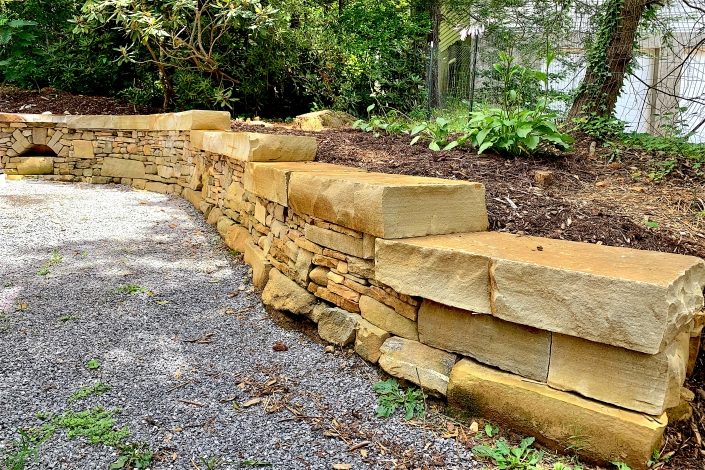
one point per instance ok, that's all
(26, 447)
(93, 364)
(133, 455)
(132, 289)
(67, 318)
(98, 388)
(391, 397)
(254, 463)
(54, 259)
(95, 424)
(522, 457)
(210, 463)
(621, 465)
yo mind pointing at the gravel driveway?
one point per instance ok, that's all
(139, 287)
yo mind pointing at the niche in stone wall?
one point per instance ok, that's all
(36, 160)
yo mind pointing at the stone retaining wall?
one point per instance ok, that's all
(585, 347)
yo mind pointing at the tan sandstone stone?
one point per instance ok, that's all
(390, 206)
(338, 326)
(633, 380)
(157, 187)
(281, 293)
(35, 166)
(122, 168)
(236, 237)
(324, 119)
(253, 147)
(386, 318)
(271, 180)
(634, 299)
(256, 258)
(515, 348)
(417, 363)
(338, 241)
(369, 340)
(83, 149)
(559, 419)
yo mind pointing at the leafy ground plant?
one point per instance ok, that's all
(26, 447)
(132, 289)
(93, 364)
(97, 425)
(135, 455)
(96, 389)
(521, 457)
(53, 260)
(392, 397)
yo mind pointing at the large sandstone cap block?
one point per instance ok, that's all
(390, 206)
(184, 121)
(515, 348)
(423, 365)
(649, 383)
(254, 147)
(122, 168)
(558, 419)
(271, 180)
(634, 299)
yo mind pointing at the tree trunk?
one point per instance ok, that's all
(608, 58)
(435, 91)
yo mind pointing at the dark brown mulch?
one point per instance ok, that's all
(14, 100)
(515, 204)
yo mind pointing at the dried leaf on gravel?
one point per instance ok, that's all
(280, 346)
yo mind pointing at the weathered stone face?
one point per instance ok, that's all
(35, 166)
(122, 168)
(338, 326)
(253, 147)
(390, 206)
(387, 319)
(281, 293)
(630, 379)
(256, 258)
(634, 299)
(515, 348)
(417, 363)
(369, 340)
(557, 419)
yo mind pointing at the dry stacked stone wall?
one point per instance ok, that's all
(585, 347)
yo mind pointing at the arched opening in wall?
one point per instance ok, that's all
(36, 160)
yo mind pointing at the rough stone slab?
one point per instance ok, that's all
(157, 187)
(338, 326)
(254, 147)
(558, 419)
(187, 120)
(633, 380)
(83, 149)
(256, 258)
(390, 206)
(236, 237)
(271, 180)
(338, 241)
(369, 340)
(634, 299)
(387, 319)
(122, 168)
(35, 166)
(281, 293)
(515, 348)
(417, 363)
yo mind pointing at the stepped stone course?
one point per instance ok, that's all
(634, 299)
(409, 254)
(558, 419)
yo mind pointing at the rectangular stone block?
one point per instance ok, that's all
(420, 364)
(633, 380)
(271, 180)
(83, 149)
(387, 319)
(35, 166)
(256, 258)
(339, 242)
(390, 206)
(515, 348)
(253, 147)
(122, 168)
(561, 420)
(634, 299)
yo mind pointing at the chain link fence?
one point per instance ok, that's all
(663, 93)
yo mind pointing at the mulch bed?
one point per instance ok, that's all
(14, 100)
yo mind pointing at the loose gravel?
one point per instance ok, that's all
(188, 354)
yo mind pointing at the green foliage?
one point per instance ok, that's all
(132, 289)
(521, 457)
(26, 447)
(135, 455)
(621, 466)
(392, 397)
(97, 425)
(53, 260)
(514, 133)
(98, 388)
(93, 364)
(599, 127)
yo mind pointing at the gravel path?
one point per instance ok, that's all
(188, 357)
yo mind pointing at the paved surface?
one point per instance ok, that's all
(188, 355)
